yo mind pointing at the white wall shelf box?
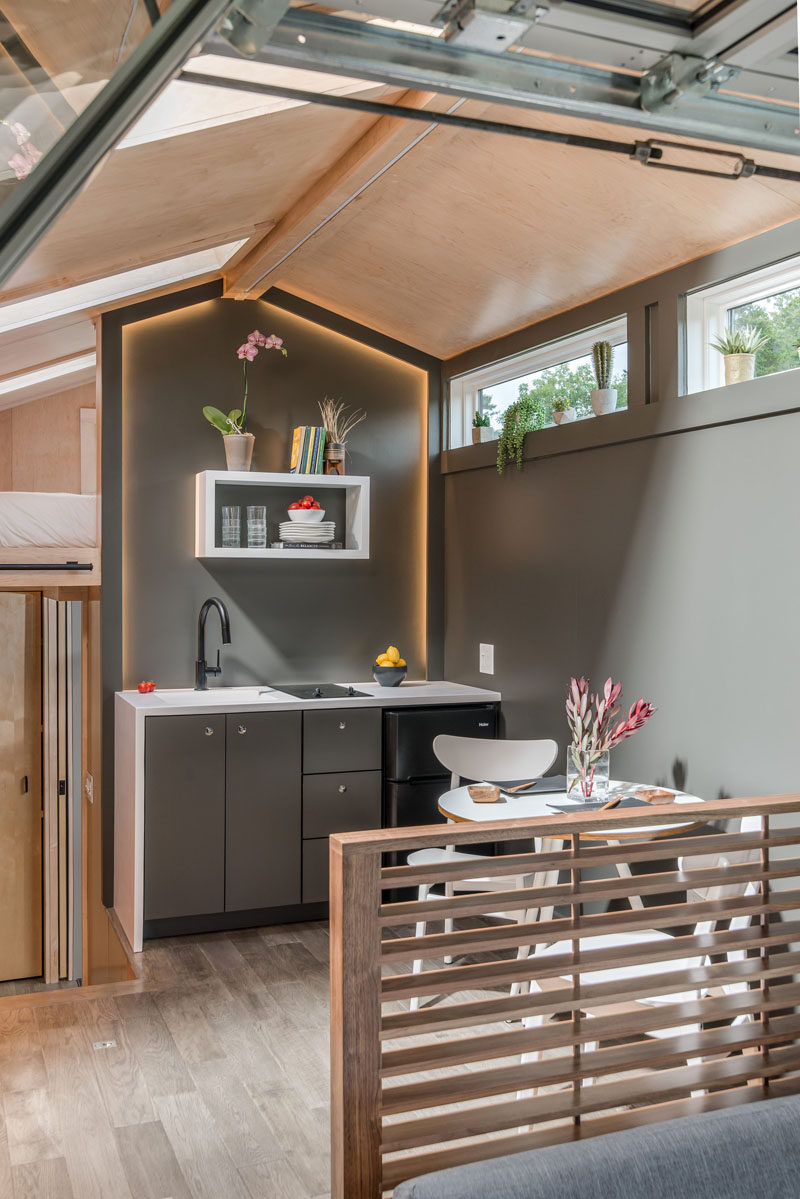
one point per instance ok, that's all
(348, 500)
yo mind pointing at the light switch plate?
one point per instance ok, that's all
(486, 659)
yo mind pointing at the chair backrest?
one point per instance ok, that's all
(480, 759)
(714, 861)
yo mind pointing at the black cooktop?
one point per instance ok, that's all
(320, 691)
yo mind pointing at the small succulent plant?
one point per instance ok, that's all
(744, 340)
(603, 359)
(561, 404)
(481, 420)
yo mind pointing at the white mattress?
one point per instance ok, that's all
(45, 518)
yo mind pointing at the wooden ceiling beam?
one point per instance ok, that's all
(250, 273)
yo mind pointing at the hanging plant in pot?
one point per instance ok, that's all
(521, 417)
(233, 427)
(604, 397)
(739, 348)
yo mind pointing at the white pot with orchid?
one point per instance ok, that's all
(233, 427)
(591, 720)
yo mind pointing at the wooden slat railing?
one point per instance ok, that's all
(706, 1017)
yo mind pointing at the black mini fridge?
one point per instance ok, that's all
(414, 778)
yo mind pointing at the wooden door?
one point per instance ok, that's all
(20, 786)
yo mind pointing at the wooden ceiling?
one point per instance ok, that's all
(463, 237)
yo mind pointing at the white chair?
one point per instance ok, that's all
(697, 862)
(479, 759)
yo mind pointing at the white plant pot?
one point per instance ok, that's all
(484, 433)
(566, 417)
(604, 400)
(739, 368)
(238, 450)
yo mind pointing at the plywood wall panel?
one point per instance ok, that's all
(46, 441)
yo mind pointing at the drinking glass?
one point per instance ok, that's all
(257, 527)
(231, 527)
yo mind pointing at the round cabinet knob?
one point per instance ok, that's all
(342, 788)
(242, 729)
(342, 724)
(209, 732)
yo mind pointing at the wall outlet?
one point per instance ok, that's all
(486, 659)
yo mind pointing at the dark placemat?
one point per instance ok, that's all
(594, 805)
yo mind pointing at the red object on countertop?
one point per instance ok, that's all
(146, 688)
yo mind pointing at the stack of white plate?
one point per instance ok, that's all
(295, 532)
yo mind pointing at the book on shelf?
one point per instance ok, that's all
(308, 444)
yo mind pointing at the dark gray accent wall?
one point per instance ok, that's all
(660, 547)
(291, 620)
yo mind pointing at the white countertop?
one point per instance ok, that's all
(185, 701)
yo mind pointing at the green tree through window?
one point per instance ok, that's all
(574, 380)
(778, 318)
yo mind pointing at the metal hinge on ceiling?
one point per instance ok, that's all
(680, 75)
(490, 28)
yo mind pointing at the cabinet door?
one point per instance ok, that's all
(263, 819)
(184, 816)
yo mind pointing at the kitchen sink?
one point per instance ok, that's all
(185, 697)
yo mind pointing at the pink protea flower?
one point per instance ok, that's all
(591, 722)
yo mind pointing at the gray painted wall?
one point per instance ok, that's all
(669, 561)
(293, 619)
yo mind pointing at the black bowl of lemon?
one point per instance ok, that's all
(389, 669)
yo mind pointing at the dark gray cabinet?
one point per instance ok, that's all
(263, 810)
(341, 803)
(184, 816)
(316, 870)
(337, 739)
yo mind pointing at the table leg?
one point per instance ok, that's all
(624, 871)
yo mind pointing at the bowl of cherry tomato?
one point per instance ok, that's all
(306, 510)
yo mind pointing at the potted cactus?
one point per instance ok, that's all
(563, 412)
(739, 348)
(604, 397)
(481, 428)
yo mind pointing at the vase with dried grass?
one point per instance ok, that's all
(338, 427)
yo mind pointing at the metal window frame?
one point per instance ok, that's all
(465, 389)
(315, 41)
(707, 316)
(38, 200)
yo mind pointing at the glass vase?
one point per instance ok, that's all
(587, 780)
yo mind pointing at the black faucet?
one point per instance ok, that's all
(201, 667)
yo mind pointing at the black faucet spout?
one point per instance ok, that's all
(201, 668)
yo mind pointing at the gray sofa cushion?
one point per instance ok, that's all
(735, 1154)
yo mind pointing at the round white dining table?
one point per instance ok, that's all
(457, 805)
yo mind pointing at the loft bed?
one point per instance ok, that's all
(52, 538)
(48, 537)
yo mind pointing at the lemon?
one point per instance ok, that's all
(393, 653)
(400, 662)
(383, 660)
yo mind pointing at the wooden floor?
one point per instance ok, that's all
(217, 1087)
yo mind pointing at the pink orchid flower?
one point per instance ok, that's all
(248, 351)
(256, 338)
(20, 166)
(272, 342)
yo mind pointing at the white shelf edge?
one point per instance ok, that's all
(357, 488)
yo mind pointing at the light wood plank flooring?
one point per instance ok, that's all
(217, 1087)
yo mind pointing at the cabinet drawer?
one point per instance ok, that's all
(341, 803)
(341, 739)
(316, 870)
